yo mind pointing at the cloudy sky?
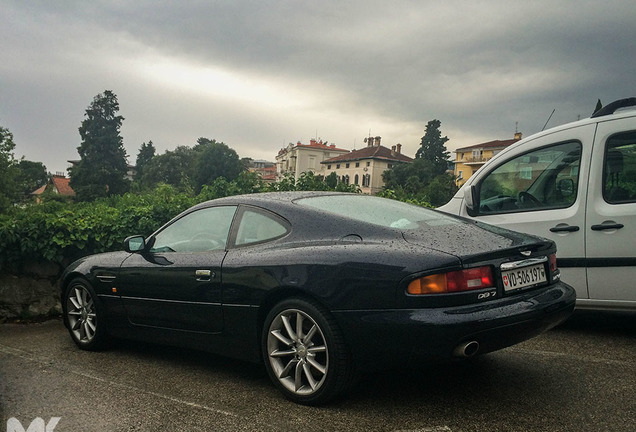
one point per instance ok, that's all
(260, 74)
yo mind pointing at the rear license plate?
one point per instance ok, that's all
(523, 277)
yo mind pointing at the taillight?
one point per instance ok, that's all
(554, 269)
(455, 281)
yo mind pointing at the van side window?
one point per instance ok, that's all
(543, 179)
(619, 176)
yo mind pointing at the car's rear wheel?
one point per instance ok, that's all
(82, 316)
(304, 351)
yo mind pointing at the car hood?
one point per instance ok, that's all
(472, 241)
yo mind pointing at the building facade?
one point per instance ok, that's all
(364, 167)
(299, 158)
(469, 159)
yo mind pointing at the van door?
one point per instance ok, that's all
(540, 188)
(611, 213)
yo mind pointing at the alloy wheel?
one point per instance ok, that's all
(297, 352)
(81, 314)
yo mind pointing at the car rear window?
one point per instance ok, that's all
(378, 211)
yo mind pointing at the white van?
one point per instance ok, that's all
(574, 184)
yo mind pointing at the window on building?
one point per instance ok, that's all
(337, 166)
(347, 166)
(390, 166)
(328, 166)
(357, 164)
(368, 163)
(356, 179)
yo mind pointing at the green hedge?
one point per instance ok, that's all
(60, 232)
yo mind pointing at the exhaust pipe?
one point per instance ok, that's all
(466, 349)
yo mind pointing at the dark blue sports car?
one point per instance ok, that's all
(319, 287)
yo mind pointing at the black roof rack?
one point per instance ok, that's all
(614, 106)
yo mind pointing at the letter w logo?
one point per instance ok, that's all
(37, 425)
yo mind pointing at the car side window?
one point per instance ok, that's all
(546, 178)
(202, 230)
(257, 227)
(619, 177)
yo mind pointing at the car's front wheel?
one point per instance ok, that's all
(304, 351)
(82, 316)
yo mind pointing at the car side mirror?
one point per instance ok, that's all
(134, 244)
(471, 200)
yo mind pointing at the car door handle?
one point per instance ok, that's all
(564, 228)
(204, 275)
(609, 226)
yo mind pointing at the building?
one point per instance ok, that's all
(364, 167)
(299, 158)
(265, 169)
(58, 184)
(470, 159)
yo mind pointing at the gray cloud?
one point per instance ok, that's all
(259, 74)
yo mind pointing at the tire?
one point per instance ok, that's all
(83, 316)
(304, 352)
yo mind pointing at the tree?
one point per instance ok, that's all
(406, 174)
(145, 155)
(32, 175)
(432, 148)
(9, 172)
(174, 168)
(102, 167)
(215, 159)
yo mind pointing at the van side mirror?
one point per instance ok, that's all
(566, 187)
(471, 200)
(134, 244)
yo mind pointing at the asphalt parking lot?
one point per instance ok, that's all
(578, 377)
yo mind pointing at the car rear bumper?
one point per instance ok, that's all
(382, 337)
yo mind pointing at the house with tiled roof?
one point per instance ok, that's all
(469, 159)
(364, 167)
(58, 184)
(299, 158)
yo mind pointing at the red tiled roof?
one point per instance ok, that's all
(489, 145)
(62, 184)
(39, 191)
(374, 152)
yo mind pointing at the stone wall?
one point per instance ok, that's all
(30, 293)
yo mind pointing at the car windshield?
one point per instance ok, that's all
(378, 211)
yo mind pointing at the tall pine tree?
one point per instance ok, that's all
(102, 167)
(433, 148)
(145, 155)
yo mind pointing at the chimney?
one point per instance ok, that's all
(369, 141)
(377, 141)
(312, 142)
(518, 135)
(398, 148)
